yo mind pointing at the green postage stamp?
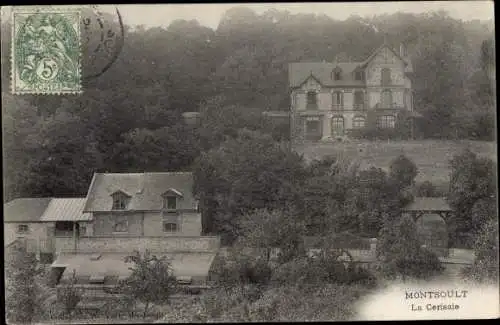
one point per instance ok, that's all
(45, 51)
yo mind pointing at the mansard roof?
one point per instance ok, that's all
(146, 190)
(299, 72)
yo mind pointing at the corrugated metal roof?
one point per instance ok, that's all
(145, 189)
(428, 204)
(25, 209)
(66, 209)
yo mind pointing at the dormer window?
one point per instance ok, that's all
(120, 200)
(359, 75)
(170, 202)
(337, 73)
(171, 199)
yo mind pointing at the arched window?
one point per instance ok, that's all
(386, 76)
(312, 100)
(338, 100)
(359, 100)
(386, 121)
(337, 125)
(386, 99)
(358, 122)
(337, 73)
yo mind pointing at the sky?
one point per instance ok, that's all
(210, 14)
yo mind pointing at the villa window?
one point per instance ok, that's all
(312, 100)
(120, 201)
(359, 75)
(359, 100)
(386, 76)
(337, 74)
(120, 224)
(386, 121)
(358, 122)
(386, 98)
(22, 229)
(338, 100)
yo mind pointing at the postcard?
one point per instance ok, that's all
(250, 162)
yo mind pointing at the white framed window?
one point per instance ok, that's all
(120, 201)
(170, 202)
(120, 224)
(338, 100)
(358, 122)
(386, 98)
(170, 222)
(23, 229)
(386, 76)
(359, 100)
(386, 121)
(312, 100)
(337, 73)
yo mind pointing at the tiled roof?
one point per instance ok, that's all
(25, 209)
(299, 72)
(113, 264)
(145, 189)
(66, 209)
(428, 204)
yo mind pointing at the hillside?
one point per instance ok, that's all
(430, 156)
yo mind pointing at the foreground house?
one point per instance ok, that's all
(137, 211)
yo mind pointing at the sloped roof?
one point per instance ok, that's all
(25, 209)
(428, 204)
(374, 53)
(66, 209)
(145, 189)
(113, 264)
(299, 72)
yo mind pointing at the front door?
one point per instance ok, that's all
(313, 129)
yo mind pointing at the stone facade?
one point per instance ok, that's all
(129, 244)
(330, 99)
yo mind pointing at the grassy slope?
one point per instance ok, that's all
(431, 156)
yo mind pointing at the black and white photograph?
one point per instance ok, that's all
(249, 162)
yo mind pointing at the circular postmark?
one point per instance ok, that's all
(102, 37)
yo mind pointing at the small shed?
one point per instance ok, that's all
(431, 215)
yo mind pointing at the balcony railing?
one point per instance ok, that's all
(358, 107)
(337, 107)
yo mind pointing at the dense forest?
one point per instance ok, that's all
(130, 118)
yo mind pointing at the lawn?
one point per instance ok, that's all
(431, 156)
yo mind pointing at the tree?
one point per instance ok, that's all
(265, 229)
(401, 253)
(243, 174)
(403, 171)
(485, 266)
(151, 281)
(427, 189)
(472, 179)
(20, 290)
(69, 295)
